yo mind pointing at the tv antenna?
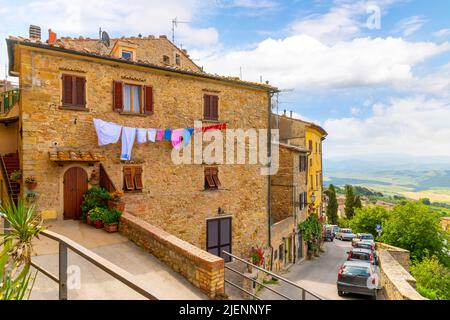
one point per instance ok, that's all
(175, 23)
(104, 38)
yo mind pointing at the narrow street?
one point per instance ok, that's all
(318, 276)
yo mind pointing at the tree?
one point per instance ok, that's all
(425, 201)
(433, 279)
(358, 203)
(332, 208)
(349, 202)
(415, 228)
(366, 219)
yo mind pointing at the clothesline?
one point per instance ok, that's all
(110, 132)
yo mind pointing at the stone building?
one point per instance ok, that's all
(289, 207)
(66, 83)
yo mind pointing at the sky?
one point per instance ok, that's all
(375, 74)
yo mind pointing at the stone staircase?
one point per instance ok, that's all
(12, 163)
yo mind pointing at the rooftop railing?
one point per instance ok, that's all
(8, 99)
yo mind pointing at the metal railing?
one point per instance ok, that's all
(273, 275)
(8, 99)
(7, 180)
(66, 244)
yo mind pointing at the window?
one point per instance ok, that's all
(73, 91)
(317, 148)
(312, 182)
(127, 55)
(303, 200)
(166, 59)
(132, 178)
(177, 59)
(317, 180)
(131, 98)
(211, 107)
(310, 145)
(280, 251)
(212, 178)
(303, 163)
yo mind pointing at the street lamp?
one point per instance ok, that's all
(313, 198)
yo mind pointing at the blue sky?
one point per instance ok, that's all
(375, 90)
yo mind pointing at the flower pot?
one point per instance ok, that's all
(31, 186)
(99, 224)
(111, 228)
(119, 205)
(89, 221)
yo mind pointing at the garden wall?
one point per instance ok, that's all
(202, 269)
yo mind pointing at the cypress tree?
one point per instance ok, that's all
(349, 202)
(332, 209)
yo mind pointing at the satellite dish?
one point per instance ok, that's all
(106, 40)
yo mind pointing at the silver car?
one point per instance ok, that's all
(345, 235)
(358, 277)
(363, 237)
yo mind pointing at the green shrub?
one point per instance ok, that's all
(366, 219)
(311, 230)
(111, 216)
(97, 214)
(95, 198)
(433, 279)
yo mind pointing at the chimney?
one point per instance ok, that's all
(291, 114)
(284, 114)
(35, 32)
(51, 37)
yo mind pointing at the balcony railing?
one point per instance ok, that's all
(8, 99)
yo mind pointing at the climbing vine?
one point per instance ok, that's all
(311, 230)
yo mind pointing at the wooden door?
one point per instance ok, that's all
(75, 186)
(219, 237)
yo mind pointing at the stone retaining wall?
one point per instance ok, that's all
(202, 269)
(396, 281)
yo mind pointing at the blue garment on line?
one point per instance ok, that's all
(168, 134)
(128, 137)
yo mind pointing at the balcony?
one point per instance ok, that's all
(8, 100)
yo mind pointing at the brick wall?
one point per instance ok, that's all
(202, 269)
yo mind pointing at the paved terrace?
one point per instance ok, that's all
(98, 285)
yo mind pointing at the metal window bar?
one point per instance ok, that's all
(116, 272)
(303, 290)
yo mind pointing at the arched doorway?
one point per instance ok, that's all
(75, 186)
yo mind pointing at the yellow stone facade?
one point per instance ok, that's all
(173, 197)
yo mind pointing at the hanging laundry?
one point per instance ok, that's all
(141, 135)
(187, 134)
(128, 137)
(177, 138)
(160, 134)
(107, 132)
(221, 126)
(168, 134)
(152, 135)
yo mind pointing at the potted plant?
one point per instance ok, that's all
(96, 217)
(111, 220)
(94, 198)
(115, 201)
(31, 183)
(31, 196)
(15, 176)
(257, 256)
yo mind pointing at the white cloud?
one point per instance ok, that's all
(410, 25)
(411, 126)
(254, 4)
(442, 33)
(355, 111)
(304, 63)
(84, 17)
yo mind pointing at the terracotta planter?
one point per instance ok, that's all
(99, 224)
(111, 228)
(31, 186)
(89, 221)
(119, 205)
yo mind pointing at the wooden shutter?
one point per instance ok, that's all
(215, 176)
(148, 99)
(138, 178)
(209, 181)
(118, 96)
(67, 90)
(207, 107)
(80, 91)
(214, 107)
(128, 177)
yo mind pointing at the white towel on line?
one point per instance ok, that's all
(107, 132)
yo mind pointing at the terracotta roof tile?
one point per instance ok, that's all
(75, 156)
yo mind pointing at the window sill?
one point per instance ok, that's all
(134, 192)
(73, 108)
(213, 120)
(135, 114)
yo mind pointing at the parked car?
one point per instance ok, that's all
(345, 234)
(328, 234)
(359, 254)
(365, 245)
(335, 229)
(363, 237)
(358, 277)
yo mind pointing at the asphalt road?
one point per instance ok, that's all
(317, 276)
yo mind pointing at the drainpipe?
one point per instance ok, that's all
(269, 178)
